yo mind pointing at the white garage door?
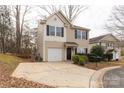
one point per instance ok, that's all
(55, 54)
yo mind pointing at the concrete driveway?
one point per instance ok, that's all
(57, 74)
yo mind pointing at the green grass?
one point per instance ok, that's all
(122, 53)
(5, 58)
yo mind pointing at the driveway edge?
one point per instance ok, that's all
(96, 78)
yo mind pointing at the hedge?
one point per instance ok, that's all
(79, 59)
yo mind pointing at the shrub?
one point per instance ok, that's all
(104, 57)
(91, 57)
(75, 59)
(85, 58)
(97, 50)
(82, 60)
(25, 53)
(109, 56)
(79, 59)
(38, 58)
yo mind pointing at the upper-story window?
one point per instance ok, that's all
(55, 31)
(84, 34)
(59, 31)
(80, 34)
(109, 44)
(51, 30)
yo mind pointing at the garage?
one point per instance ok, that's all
(55, 54)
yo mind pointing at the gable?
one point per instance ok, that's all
(109, 38)
(55, 21)
(62, 16)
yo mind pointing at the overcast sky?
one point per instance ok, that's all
(93, 18)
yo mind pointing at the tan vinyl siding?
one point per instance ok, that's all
(109, 38)
(40, 40)
(44, 42)
(71, 38)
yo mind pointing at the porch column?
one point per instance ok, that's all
(73, 51)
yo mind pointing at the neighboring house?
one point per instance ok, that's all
(58, 39)
(121, 44)
(109, 43)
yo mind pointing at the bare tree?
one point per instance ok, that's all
(5, 29)
(20, 20)
(70, 11)
(50, 9)
(115, 23)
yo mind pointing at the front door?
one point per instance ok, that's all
(68, 53)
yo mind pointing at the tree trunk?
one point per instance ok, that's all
(18, 39)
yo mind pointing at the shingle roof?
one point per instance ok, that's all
(96, 39)
(79, 27)
(71, 43)
(99, 38)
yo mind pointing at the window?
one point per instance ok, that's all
(55, 31)
(106, 45)
(78, 50)
(58, 31)
(84, 35)
(80, 34)
(82, 50)
(111, 44)
(51, 30)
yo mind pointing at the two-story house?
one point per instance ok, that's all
(122, 47)
(110, 44)
(58, 39)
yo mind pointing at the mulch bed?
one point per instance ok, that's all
(92, 65)
(10, 82)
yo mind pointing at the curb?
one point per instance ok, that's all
(96, 78)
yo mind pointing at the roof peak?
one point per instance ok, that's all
(101, 35)
(98, 38)
(58, 13)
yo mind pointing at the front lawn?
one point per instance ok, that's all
(92, 65)
(6, 58)
(8, 63)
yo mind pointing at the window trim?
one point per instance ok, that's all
(55, 31)
(85, 35)
(81, 50)
(76, 34)
(80, 34)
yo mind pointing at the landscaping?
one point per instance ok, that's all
(105, 58)
(97, 59)
(80, 59)
(100, 65)
(92, 65)
(8, 63)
